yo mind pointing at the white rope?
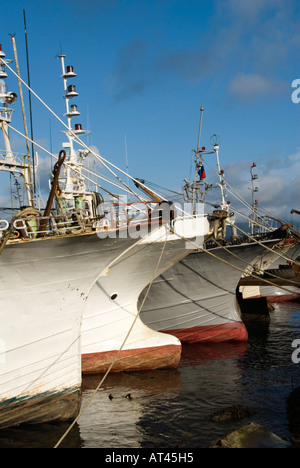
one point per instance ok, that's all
(67, 164)
(260, 243)
(228, 263)
(269, 273)
(96, 155)
(247, 217)
(117, 354)
(239, 197)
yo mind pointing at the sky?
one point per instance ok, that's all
(144, 69)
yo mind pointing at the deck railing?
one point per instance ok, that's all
(120, 216)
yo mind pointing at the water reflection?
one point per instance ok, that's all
(172, 407)
(167, 407)
(198, 354)
(40, 436)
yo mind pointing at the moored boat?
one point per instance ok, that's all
(278, 282)
(70, 281)
(112, 308)
(113, 337)
(195, 300)
(46, 270)
(277, 285)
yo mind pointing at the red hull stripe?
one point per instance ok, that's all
(233, 331)
(284, 298)
(132, 359)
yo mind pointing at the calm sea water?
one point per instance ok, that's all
(171, 408)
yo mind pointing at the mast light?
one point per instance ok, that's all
(73, 111)
(69, 72)
(71, 91)
(2, 54)
(3, 73)
(78, 129)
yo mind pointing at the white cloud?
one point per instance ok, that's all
(246, 86)
(278, 185)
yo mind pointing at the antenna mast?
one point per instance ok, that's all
(198, 165)
(31, 188)
(30, 108)
(253, 222)
(215, 141)
(10, 163)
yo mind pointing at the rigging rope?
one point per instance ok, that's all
(260, 243)
(225, 261)
(100, 158)
(269, 273)
(4, 241)
(67, 164)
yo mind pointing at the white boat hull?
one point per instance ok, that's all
(57, 293)
(195, 300)
(111, 308)
(43, 290)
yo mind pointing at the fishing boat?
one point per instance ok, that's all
(195, 300)
(113, 337)
(71, 274)
(278, 282)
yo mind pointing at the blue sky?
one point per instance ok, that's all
(144, 68)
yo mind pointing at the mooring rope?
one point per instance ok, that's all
(4, 241)
(119, 351)
(140, 308)
(273, 275)
(228, 263)
(260, 243)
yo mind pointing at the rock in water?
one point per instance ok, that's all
(232, 413)
(250, 436)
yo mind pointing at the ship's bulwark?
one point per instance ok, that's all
(43, 290)
(195, 300)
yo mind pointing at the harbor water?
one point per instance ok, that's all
(171, 408)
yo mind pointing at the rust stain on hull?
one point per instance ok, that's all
(233, 331)
(48, 407)
(131, 360)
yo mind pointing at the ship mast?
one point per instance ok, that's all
(215, 141)
(254, 218)
(198, 166)
(195, 191)
(9, 162)
(74, 190)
